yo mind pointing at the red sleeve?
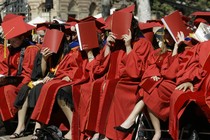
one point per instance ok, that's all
(28, 62)
(135, 62)
(101, 63)
(152, 69)
(170, 67)
(68, 66)
(190, 70)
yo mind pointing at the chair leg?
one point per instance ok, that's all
(181, 133)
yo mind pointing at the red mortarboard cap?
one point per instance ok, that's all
(147, 29)
(42, 26)
(128, 9)
(158, 21)
(108, 21)
(89, 18)
(202, 15)
(199, 20)
(71, 19)
(11, 16)
(52, 39)
(71, 22)
(99, 23)
(15, 27)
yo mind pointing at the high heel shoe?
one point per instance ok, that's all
(16, 135)
(125, 130)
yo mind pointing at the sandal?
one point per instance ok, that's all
(16, 135)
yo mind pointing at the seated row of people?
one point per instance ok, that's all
(101, 91)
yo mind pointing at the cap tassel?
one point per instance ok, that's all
(5, 48)
(32, 32)
(5, 42)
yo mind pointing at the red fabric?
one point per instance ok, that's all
(121, 82)
(9, 92)
(69, 66)
(191, 68)
(125, 95)
(158, 99)
(82, 94)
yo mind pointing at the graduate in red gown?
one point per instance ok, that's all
(155, 97)
(18, 60)
(193, 85)
(122, 65)
(72, 70)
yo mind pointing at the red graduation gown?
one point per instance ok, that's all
(157, 98)
(81, 98)
(69, 66)
(9, 92)
(191, 68)
(118, 92)
(90, 101)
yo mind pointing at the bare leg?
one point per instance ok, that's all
(37, 125)
(68, 113)
(21, 118)
(132, 117)
(156, 125)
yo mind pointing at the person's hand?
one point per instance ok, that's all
(155, 78)
(180, 37)
(46, 53)
(47, 79)
(67, 79)
(110, 39)
(127, 38)
(185, 86)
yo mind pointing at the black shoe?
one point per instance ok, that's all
(125, 130)
(194, 135)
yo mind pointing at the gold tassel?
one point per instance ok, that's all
(32, 32)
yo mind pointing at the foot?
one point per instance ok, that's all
(17, 135)
(125, 130)
(157, 136)
(95, 136)
(67, 136)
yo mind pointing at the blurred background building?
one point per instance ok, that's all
(50, 9)
(62, 9)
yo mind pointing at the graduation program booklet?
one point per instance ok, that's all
(202, 33)
(87, 35)
(121, 22)
(10, 80)
(175, 24)
(52, 39)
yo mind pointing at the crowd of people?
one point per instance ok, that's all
(98, 93)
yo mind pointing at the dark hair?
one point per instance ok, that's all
(135, 30)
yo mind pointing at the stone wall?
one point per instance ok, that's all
(63, 8)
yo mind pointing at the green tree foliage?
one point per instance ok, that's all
(164, 7)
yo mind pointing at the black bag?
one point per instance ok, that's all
(49, 133)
